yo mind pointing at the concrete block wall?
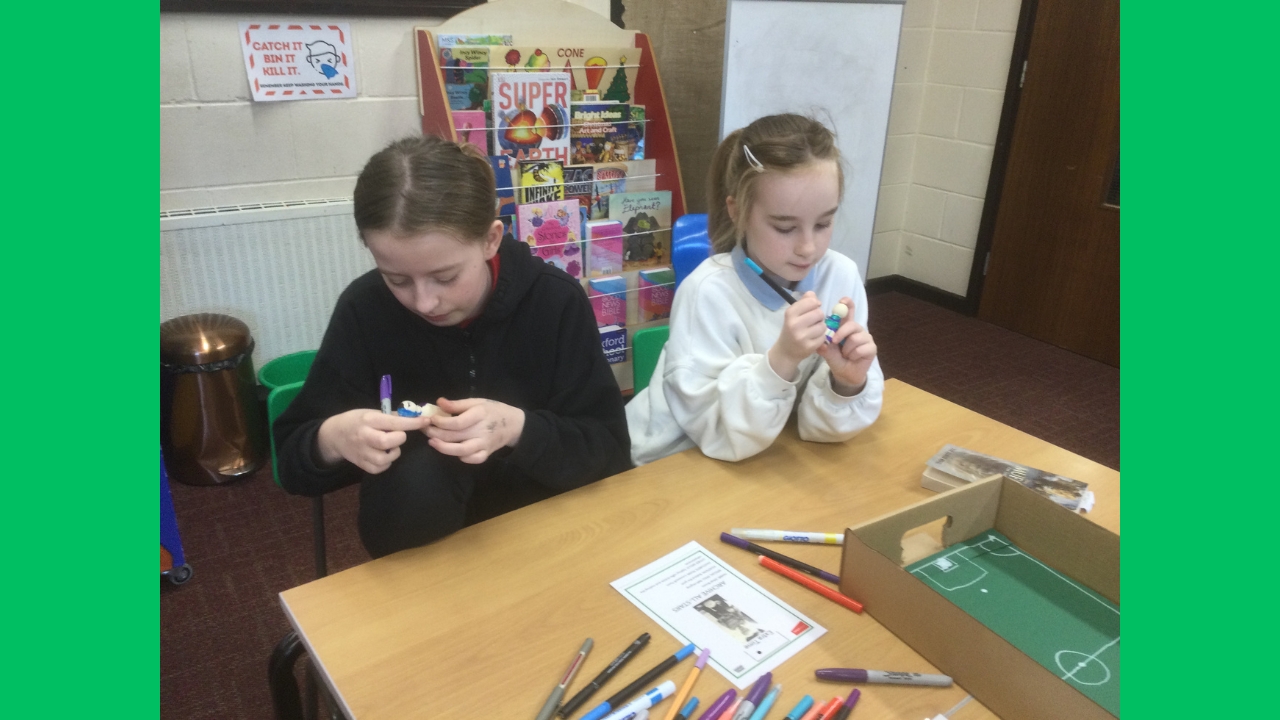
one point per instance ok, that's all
(953, 62)
(218, 147)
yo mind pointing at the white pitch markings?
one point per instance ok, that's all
(1089, 659)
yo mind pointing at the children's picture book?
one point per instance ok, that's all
(541, 181)
(955, 466)
(657, 289)
(637, 131)
(504, 182)
(646, 227)
(531, 115)
(608, 296)
(444, 40)
(554, 231)
(610, 179)
(608, 72)
(508, 227)
(469, 125)
(466, 76)
(604, 247)
(579, 184)
(642, 175)
(601, 132)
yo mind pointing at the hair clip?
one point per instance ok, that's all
(751, 158)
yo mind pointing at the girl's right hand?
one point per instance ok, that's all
(368, 439)
(803, 332)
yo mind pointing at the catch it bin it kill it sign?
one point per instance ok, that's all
(298, 60)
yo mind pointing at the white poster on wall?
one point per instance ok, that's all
(298, 60)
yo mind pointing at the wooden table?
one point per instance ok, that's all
(482, 623)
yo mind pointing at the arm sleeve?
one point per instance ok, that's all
(329, 390)
(723, 394)
(580, 436)
(826, 416)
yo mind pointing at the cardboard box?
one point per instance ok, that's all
(999, 675)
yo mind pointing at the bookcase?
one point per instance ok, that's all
(560, 23)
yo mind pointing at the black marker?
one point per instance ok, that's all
(776, 287)
(585, 693)
(736, 541)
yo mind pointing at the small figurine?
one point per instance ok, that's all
(833, 320)
(412, 409)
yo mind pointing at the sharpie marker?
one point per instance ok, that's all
(789, 536)
(767, 703)
(384, 394)
(882, 676)
(717, 708)
(606, 707)
(753, 698)
(644, 702)
(843, 714)
(585, 693)
(738, 542)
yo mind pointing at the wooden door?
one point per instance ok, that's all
(1054, 268)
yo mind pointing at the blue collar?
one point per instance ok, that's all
(759, 289)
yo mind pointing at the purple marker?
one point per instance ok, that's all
(843, 713)
(384, 392)
(882, 676)
(788, 561)
(754, 696)
(719, 706)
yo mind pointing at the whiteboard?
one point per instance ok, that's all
(833, 61)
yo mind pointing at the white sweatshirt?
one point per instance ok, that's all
(713, 387)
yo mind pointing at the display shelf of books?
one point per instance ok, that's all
(571, 110)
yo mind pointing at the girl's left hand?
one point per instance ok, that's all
(851, 361)
(476, 430)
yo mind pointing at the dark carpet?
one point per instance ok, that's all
(248, 541)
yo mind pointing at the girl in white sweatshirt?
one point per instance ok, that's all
(739, 358)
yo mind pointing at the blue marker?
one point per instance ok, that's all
(767, 703)
(800, 709)
(686, 712)
(768, 280)
(622, 695)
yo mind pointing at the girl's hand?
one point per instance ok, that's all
(477, 429)
(368, 439)
(851, 361)
(803, 333)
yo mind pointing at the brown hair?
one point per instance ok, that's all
(427, 183)
(777, 142)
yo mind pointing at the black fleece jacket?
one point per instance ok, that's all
(535, 346)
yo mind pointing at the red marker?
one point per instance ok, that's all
(812, 584)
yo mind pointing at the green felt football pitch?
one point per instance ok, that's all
(1068, 628)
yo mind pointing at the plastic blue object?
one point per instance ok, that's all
(690, 244)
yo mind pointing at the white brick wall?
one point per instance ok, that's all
(217, 147)
(953, 62)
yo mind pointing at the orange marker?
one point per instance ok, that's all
(812, 584)
(830, 709)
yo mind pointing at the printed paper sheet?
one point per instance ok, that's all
(700, 599)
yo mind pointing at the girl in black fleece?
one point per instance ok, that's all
(503, 343)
